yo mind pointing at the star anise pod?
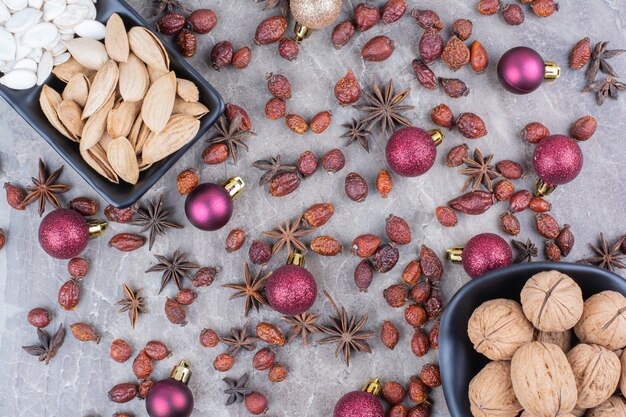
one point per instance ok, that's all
(231, 135)
(383, 107)
(270, 4)
(345, 330)
(239, 339)
(154, 218)
(272, 168)
(527, 251)
(301, 326)
(608, 257)
(47, 347)
(236, 389)
(479, 170)
(289, 235)
(251, 288)
(170, 5)
(598, 62)
(177, 268)
(357, 131)
(45, 188)
(133, 303)
(607, 87)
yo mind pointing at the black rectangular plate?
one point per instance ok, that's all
(26, 103)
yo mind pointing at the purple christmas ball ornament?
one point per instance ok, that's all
(481, 254)
(291, 289)
(411, 151)
(171, 397)
(64, 233)
(210, 206)
(521, 70)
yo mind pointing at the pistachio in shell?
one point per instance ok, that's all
(603, 321)
(491, 392)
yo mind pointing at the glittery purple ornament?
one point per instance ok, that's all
(210, 206)
(485, 252)
(358, 404)
(521, 70)
(557, 160)
(291, 290)
(63, 233)
(171, 397)
(411, 151)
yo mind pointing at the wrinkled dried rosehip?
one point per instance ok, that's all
(263, 359)
(417, 390)
(356, 187)
(270, 30)
(421, 410)
(384, 183)
(270, 334)
(389, 334)
(446, 216)
(85, 332)
(415, 315)
(14, 195)
(39, 317)
(256, 403)
(580, 55)
(398, 230)
(127, 242)
(365, 16)
(326, 246)
(142, 391)
(471, 126)
(275, 108)
(553, 253)
(186, 296)
(520, 201)
(204, 276)
(456, 155)
(419, 343)
(473, 203)
(347, 89)
(378, 49)
(117, 215)
(539, 205)
(187, 180)
(431, 265)
(209, 338)
(430, 375)
(454, 87)
(78, 267)
(425, 76)
(171, 23)
(363, 275)
(534, 132)
(342, 33)
(278, 373)
(430, 45)
(393, 392)
(412, 272)
(513, 14)
(547, 226)
(232, 111)
(385, 258)
(259, 252)
(565, 240)
(296, 123)
(420, 293)
(175, 312)
(202, 20)
(242, 57)
(284, 184)
(479, 59)
(288, 49)
(392, 11)
(442, 116)
(235, 240)
(320, 122)
(318, 214)
(215, 154)
(427, 19)
(584, 128)
(434, 305)
(544, 8)
(123, 393)
(488, 7)
(364, 246)
(455, 54)
(223, 362)
(433, 337)
(509, 224)
(221, 55)
(397, 410)
(510, 169)
(157, 350)
(503, 190)
(462, 29)
(69, 295)
(85, 206)
(142, 365)
(187, 43)
(120, 351)
(395, 295)
(307, 164)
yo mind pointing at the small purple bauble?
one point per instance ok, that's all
(209, 207)
(557, 159)
(485, 252)
(521, 70)
(63, 233)
(358, 404)
(291, 290)
(410, 152)
(169, 398)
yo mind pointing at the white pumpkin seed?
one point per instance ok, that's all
(5, 14)
(41, 35)
(58, 49)
(19, 79)
(91, 29)
(16, 5)
(27, 64)
(36, 54)
(71, 16)
(23, 19)
(45, 67)
(60, 59)
(88, 52)
(53, 9)
(7, 45)
(35, 4)
(91, 8)
(8, 67)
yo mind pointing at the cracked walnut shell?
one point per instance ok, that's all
(552, 301)
(603, 321)
(491, 392)
(497, 328)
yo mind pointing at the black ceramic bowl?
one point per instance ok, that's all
(458, 360)
(26, 103)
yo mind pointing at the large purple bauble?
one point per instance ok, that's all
(521, 70)
(485, 252)
(209, 207)
(557, 159)
(358, 404)
(410, 152)
(291, 290)
(63, 233)
(169, 398)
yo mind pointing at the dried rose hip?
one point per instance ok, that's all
(553, 253)
(393, 392)
(232, 111)
(264, 359)
(235, 240)
(318, 214)
(85, 332)
(441, 115)
(3, 238)
(365, 16)
(510, 169)
(127, 242)
(171, 23)
(384, 183)
(547, 226)
(307, 164)
(209, 338)
(215, 154)
(175, 312)
(397, 411)
(395, 295)
(473, 203)
(69, 295)
(187, 180)
(427, 19)
(223, 362)
(157, 350)
(14, 195)
(120, 351)
(431, 265)
(288, 49)
(142, 392)
(421, 410)
(356, 187)
(123, 393)
(425, 76)
(419, 343)
(363, 275)
(347, 89)
(454, 87)
(221, 55)
(479, 59)
(296, 123)
(392, 11)
(333, 161)
(503, 190)
(364, 246)
(539, 205)
(186, 296)
(278, 373)
(430, 45)
(385, 258)
(142, 365)
(456, 155)
(565, 240)
(85, 206)
(411, 273)
(187, 43)
(513, 14)
(260, 252)
(389, 334)
(275, 108)
(417, 390)
(326, 246)
(256, 403)
(433, 337)
(398, 230)
(420, 293)
(488, 7)
(509, 224)
(544, 8)
(202, 20)
(242, 57)
(462, 29)
(270, 334)
(584, 128)
(520, 201)
(580, 55)
(39, 317)
(455, 54)
(446, 216)
(270, 30)
(342, 33)
(284, 184)
(378, 49)
(78, 267)
(415, 315)
(430, 375)
(534, 132)
(320, 121)
(204, 276)
(471, 126)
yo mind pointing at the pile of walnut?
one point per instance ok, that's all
(122, 103)
(535, 368)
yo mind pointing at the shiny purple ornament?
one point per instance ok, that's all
(291, 289)
(171, 397)
(358, 404)
(485, 252)
(63, 233)
(557, 160)
(521, 70)
(411, 151)
(210, 206)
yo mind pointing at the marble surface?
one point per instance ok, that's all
(76, 382)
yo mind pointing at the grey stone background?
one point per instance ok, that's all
(76, 382)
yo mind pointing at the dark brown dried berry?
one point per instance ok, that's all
(365, 16)
(347, 89)
(275, 108)
(320, 121)
(296, 123)
(509, 224)
(417, 390)
(264, 359)
(441, 115)
(256, 403)
(488, 7)
(430, 375)
(69, 295)
(420, 293)
(580, 55)
(474, 203)
(85, 206)
(378, 49)
(456, 155)
(398, 230)
(425, 76)
(446, 216)
(157, 350)
(120, 351)
(333, 161)
(385, 258)
(142, 392)
(278, 373)
(392, 11)
(223, 362)
(15, 196)
(397, 411)
(127, 242)
(215, 154)
(513, 14)
(430, 45)
(455, 54)
(186, 296)
(553, 253)
(356, 187)
(307, 164)
(187, 180)
(462, 29)
(326, 246)
(342, 33)
(260, 252)
(544, 8)
(539, 205)
(39, 317)
(389, 334)
(433, 337)
(209, 338)
(419, 343)
(395, 295)
(235, 240)
(434, 305)
(288, 49)
(412, 272)
(393, 392)
(204, 276)
(565, 240)
(284, 184)
(221, 55)
(233, 110)
(123, 393)
(142, 365)
(421, 410)
(78, 267)
(584, 128)
(432, 268)
(242, 57)
(202, 20)
(270, 30)
(520, 201)
(384, 183)
(503, 190)
(454, 87)
(427, 19)
(187, 43)
(415, 315)
(364, 246)
(547, 226)
(471, 126)
(171, 23)
(510, 169)
(318, 214)
(534, 132)
(363, 275)
(479, 59)
(175, 312)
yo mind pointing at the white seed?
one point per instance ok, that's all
(5, 14)
(45, 67)
(58, 49)
(35, 4)
(73, 15)
(36, 54)
(90, 29)
(58, 60)
(19, 79)
(16, 5)
(2, 64)
(27, 64)
(8, 67)
(21, 51)
(91, 9)
(7, 45)
(67, 36)
(43, 34)
(23, 19)
(52, 9)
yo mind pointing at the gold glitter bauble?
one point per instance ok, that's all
(315, 14)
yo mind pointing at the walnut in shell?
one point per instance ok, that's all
(622, 380)
(561, 339)
(552, 301)
(604, 320)
(543, 380)
(498, 327)
(491, 392)
(597, 371)
(613, 407)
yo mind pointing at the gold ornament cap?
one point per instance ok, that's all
(373, 387)
(181, 372)
(301, 32)
(455, 254)
(296, 258)
(543, 189)
(234, 186)
(96, 227)
(552, 71)
(437, 135)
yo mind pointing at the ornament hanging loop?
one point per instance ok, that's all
(301, 32)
